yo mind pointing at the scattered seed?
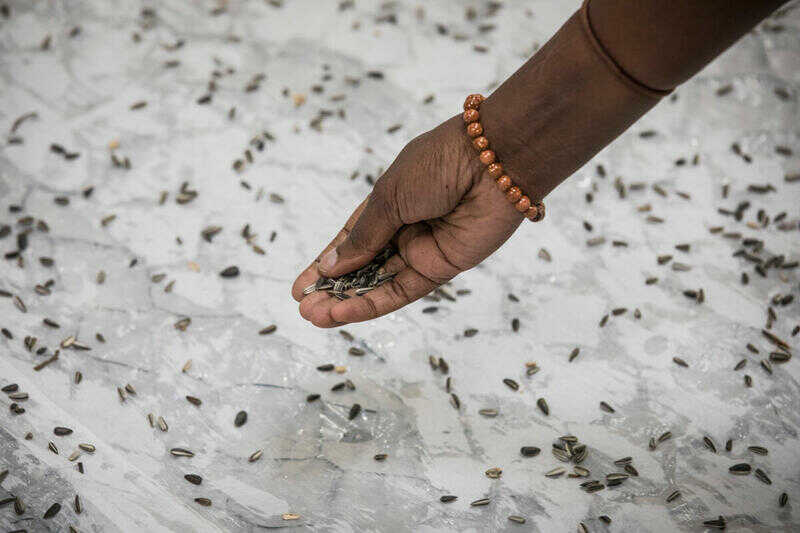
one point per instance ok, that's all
(255, 456)
(181, 452)
(556, 472)
(449, 498)
(674, 496)
(740, 469)
(194, 479)
(205, 502)
(542, 403)
(481, 502)
(241, 418)
(52, 511)
(511, 384)
(710, 444)
(762, 476)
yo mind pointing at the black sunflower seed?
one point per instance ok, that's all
(241, 418)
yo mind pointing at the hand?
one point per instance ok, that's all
(440, 210)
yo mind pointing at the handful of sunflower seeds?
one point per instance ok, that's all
(363, 280)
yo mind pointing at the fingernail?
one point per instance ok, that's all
(328, 261)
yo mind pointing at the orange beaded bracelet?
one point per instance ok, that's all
(534, 211)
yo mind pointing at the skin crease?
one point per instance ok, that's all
(439, 207)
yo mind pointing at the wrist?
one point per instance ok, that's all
(560, 108)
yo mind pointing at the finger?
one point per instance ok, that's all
(316, 308)
(311, 273)
(370, 234)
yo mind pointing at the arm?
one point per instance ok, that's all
(608, 65)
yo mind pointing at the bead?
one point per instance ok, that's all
(474, 129)
(540, 209)
(487, 157)
(532, 213)
(471, 115)
(495, 170)
(480, 143)
(473, 101)
(504, 183)
(523, 204)
(513, 194)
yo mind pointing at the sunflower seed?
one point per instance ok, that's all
(290, 516)
(716, 523)
(181, 452)
(517, 519)
(194, 401)
(710, 444)
(740, 469)
(580, 471)
(489, 413)
(255, 456)
(380, 456)
(631, 470)
(240, 419)
(162, 424)
(61, 431)
(515, 324)
(52, 511)
(561, 455)
(674, 496)
(511, 384)
(748, 381)
(74, 455)
(556, 472)
(624, 461)
(312, 397)
(582, 527)
(760, 450)
(481, 502)
(77, 504)
(194, 479)
(268, 330)
(605, 519)
(52, 447)
(449, 498)
(205, 502)
(605, 407)
(87, 447)
(783, 500)
(728, 445)
(680, 362)
(494, 473)
(529, 451)
(542, 403)
(767, 366)
(355, 410)
(740, 365)
(454, 401)
(762, 476)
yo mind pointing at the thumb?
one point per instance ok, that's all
(373, 230)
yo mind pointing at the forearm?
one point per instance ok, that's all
(579, 92)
